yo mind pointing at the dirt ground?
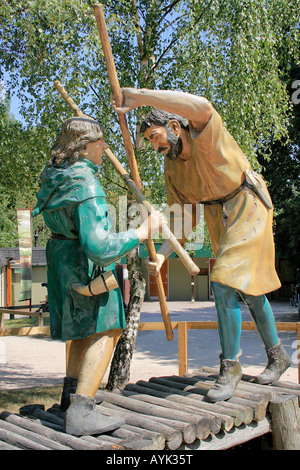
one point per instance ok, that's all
(33, 362)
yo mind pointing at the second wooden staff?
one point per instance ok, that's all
(110, 64)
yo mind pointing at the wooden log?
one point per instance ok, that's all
(253, 409)
(207, 422)
(122, 434)
(282, 387)
(33, 437)
(179, 420)
(32, 425)
(101, 444)
(57, 411)
(189, 431)
(277, 383)
(246, 410)
(110, 439)
(53, 426)
(227, 422)
(130, 439)
(172, 436)
(140, 444)
(201, 426)
(285, 417)
(273, 391)
(205, 380)
(146, 407)
(227, 440)
(249, 388)
(27, 410)
(48, 417)
(259, 410)
(288, 385)
(241, 414)
(6, 446)
(19, 441)
(237, 415)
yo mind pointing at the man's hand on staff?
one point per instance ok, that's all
(130, 100)
(153, 224)
(153, 267)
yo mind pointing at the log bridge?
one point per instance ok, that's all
(168, 413)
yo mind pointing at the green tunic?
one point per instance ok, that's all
(75, 210)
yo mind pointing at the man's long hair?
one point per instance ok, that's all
(75, 134)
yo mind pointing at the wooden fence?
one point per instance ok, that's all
(184, 326)
(181, 326)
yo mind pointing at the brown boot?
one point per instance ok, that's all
(226, 383)
(278, 363)
(83, 418)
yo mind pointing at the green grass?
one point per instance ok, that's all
(25, 321)
(12, 400)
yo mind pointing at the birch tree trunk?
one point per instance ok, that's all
(119, 374)
(120, 367)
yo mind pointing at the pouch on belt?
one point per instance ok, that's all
(253, 183)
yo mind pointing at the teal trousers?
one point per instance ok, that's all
(230, 318)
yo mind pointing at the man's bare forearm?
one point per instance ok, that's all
(196, 109)
(186, 105)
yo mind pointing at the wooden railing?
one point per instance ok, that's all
(26, 330)
(184, 326)
(181, 326)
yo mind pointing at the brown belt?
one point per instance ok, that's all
(225, 199)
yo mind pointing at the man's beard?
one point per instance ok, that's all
(175, 145)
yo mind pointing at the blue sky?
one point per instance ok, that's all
(15, 102)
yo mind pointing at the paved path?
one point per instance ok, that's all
(29, 362)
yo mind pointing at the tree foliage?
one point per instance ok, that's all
(282, 173)
(23, 152)
(230, 51)
(226, 50)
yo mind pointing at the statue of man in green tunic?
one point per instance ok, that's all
(82, 244)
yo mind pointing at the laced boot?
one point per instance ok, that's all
(82, 418)
(278, 363)
(70, 385)
(226, 383)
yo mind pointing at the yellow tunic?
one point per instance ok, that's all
(244, 248)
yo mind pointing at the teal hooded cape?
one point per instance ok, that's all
(74, 207)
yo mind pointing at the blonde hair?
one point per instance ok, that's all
(75, 134)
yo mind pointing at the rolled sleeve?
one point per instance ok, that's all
(99, 243)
